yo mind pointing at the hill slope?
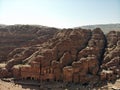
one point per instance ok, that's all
(14, 36)
(70, 55)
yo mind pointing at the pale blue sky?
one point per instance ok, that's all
(59, 13)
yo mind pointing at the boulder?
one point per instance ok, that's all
(4, 73)
(16, 71)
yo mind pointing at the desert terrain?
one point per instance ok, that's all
(59, 59)
(12, 86)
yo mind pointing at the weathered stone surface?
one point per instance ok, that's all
(66, 59)
(72, 55)
(16, 71)
(18, 55)
(14, 36)
(68, 74)
(4, 73)
(30, 71)
(111, 59)
(107, 75)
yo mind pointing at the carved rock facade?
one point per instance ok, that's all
(72, 55)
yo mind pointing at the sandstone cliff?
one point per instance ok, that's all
(69, 55)
(15, 36)
(111, 61)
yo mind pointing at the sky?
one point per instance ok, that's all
(59, 13)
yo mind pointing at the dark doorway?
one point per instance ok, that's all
(28, 78)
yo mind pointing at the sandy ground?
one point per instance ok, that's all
(114, 86)
(11, 86)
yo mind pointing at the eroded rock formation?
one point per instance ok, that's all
(111, 61)
(71, 55)
(17, 36)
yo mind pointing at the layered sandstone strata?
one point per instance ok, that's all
(15, 36)
(72, 55)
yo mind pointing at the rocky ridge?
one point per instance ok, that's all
(17, 36)
(70, 55)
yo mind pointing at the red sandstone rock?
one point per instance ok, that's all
(107, 75)
(16, 71)
(14, 36)
(4, 73)
(68, 74)
(66, 59)
(111, 59)
(72, 55)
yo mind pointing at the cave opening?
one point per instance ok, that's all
(28, 78)
(47, 80)
(85, 84)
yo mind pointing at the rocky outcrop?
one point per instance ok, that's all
(71, 55)
(111, 61)
(16, 71)
(4, 73)
(15, 36)
(18, 55)
(61, 51)
(87, 64)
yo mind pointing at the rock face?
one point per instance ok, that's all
(4, 73)
(87, 64)
(111, 61)
(15, 36)
(70, 55)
